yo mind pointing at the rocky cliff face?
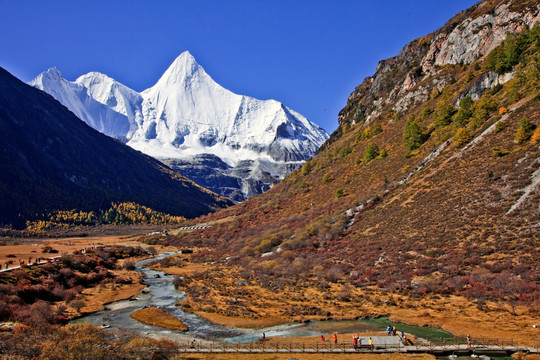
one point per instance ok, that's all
(413, 74)
(477, 35)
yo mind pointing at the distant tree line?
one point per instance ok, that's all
(118, 214)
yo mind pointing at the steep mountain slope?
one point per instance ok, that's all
(51, 160)
(185, 115)
(430, 184)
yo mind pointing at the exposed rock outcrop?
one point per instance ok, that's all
(475, 37)
(412, 75)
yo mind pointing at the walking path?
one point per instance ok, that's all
(43, 261)
(382, 344)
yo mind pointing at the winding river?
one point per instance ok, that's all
(160, 292)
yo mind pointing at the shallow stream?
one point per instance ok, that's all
(160, 292)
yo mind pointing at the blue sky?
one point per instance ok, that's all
(308, 54)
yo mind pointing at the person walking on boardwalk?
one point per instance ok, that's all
(394, 331)
(389, 330)
(335, 338)
(468, 340)
(355, 342)
(371, 345)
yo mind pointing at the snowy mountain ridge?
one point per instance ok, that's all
(186, 114)
(75, 96)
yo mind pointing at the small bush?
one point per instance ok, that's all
(372, 151)
(369, 132)
(500, 126)
(464, 112)
(345, 151)
(482, 110)
(414, 136)
(499, 152)
(426, 112)
(535, 138)
(306, 168)
(326, 179)
(461, 138)
(128, 265)
(524, 131)
(443, 114)
(48, 249)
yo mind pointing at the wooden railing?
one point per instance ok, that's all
(442, 346)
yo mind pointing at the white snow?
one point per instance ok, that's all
(187, 113)
(76, 98)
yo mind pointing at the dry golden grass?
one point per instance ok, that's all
(32, 247)
(454, 314)
(96, 297)
(188, 270)
(236, 321)
(157, 317)
(524, 356)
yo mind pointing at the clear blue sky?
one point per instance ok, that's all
(308, 54)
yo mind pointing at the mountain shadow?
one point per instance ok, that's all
(51, 160)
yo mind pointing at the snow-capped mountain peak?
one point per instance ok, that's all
(187, 114)
(77, 98)
(182, 70)
(113, 94)
(52, 74)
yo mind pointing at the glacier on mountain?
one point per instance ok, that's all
(186, 114)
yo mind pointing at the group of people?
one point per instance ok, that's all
(23, 262)
(356, 342)
(392, 331)
(355, 339)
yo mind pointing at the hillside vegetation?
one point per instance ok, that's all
(117, 214)
(429, 187)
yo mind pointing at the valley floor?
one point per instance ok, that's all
(223, 295)
(228, 296)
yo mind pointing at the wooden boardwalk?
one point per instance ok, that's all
(380, 347)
